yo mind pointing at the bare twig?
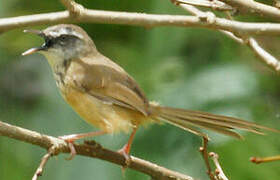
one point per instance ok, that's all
(277, 3)
(138, 19)
(204, 152)
(74, 8)
(39, 170)
(232, 36)
(89, 149)
(215, 4)
(257, 8)
(266, 57)
(261, 53)
(259, 160)
(219, 174)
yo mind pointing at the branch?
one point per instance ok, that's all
(258, 160)
(215, 5)
(204, 152)
(89, 149)
(43, 163)
(138, 19)
(261, 53)
(74, 8)
(265, 56)
(252, 6)
(276, 3)
(219, 174)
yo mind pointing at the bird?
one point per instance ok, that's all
(107, 97)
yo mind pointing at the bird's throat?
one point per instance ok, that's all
(58, 66)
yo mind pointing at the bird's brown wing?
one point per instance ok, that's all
(108, 82)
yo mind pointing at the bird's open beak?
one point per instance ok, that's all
(35, 49)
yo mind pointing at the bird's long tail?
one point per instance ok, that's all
(193, 121)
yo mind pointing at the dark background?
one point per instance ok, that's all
(181, 67)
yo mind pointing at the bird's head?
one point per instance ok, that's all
(63, 41)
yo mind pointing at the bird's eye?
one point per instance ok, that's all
(63, 38)
(48, 42)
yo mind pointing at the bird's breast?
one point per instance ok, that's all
(103, 115)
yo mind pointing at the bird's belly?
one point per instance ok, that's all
(108, 117)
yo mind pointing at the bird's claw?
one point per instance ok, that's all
(126, 156)
(68, 139)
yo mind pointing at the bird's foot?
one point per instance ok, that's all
(70, 139)
(125, 152)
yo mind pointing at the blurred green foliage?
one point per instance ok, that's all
(181, 67)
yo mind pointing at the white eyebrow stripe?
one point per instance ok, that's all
(64, 31)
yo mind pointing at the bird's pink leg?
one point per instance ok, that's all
(125, 150)
(70, 139)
